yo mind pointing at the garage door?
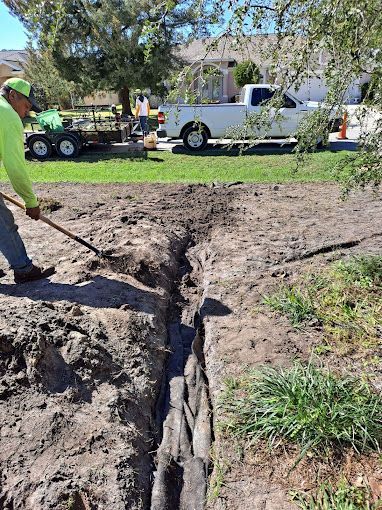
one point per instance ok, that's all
(313, 89)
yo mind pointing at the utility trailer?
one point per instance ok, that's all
(86, 126)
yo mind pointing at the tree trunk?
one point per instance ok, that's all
(124, 97)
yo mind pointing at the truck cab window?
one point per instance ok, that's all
(266, 95)
(261, 96)
(256, 97)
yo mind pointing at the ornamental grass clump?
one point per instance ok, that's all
(304, 405)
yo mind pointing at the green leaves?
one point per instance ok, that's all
(246, 72)
(108, 45)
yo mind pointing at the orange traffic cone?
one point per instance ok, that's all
(342, 133)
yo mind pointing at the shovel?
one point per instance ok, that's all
(57, 227)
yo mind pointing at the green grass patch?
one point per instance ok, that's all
(345, 298)
(343, 497)
(216, 480)
(166, 167)
(294, 303)
(310, 407)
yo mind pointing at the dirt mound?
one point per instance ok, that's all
(93, 360)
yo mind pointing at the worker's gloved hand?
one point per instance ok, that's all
(33, 212)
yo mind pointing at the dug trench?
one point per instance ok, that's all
(110, 372)
(87, 377)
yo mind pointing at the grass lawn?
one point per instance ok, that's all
(345, 299)
(184, 168)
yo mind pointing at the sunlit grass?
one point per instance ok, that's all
(346, 299)
(343, 497)
(162, 166)
(313, 408)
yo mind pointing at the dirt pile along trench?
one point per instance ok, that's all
(82, 356)
(110, 372)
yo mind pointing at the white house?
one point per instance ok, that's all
(220, 57)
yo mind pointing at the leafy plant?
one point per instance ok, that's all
(311, 407)
(369, 90)
(246, 72)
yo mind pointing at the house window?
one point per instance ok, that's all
(209, 85)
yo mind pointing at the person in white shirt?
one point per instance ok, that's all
(142, 111)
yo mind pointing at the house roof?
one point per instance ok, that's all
(228, 49)
(15, 66)
(15, 59)
(212, 49)
(14, 54)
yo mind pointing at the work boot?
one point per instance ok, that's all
(36, 273)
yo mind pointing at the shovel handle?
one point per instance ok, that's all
(54, 225)
(42, 217)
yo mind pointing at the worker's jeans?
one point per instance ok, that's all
(144, 125)
(11, 244)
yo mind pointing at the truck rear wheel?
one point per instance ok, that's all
(195, 138)
(39, 146)
(67, 146)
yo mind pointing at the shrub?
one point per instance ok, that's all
(246, 72)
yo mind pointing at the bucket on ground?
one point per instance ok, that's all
(150, 142)
(50, 121)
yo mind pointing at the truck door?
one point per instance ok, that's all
(290, 110)
(257, 99)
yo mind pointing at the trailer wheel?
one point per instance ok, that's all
(67, 146)
(39, 146)
(195, 138)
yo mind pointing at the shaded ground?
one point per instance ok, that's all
(82, 356)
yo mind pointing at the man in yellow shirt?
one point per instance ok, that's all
(16, 100)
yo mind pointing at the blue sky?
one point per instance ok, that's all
(12, 35)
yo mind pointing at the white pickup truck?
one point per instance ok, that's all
(195, 124)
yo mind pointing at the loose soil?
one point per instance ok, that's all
(111, 371)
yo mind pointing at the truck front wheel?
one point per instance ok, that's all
(195, 138)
